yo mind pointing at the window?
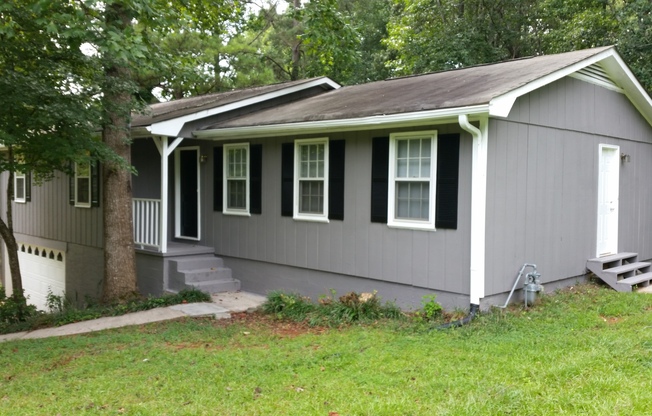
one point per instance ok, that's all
(311, 179)
(85, 185)
(236, 179)
(82, 185)
(412, 179)
(20, 187)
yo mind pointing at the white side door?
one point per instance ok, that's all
(608, 189)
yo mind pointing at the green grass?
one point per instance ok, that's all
(581, 351)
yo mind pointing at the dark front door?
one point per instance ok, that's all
(187, 196)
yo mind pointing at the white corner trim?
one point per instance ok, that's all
(478, 206)
(173, 127)
(448, 115)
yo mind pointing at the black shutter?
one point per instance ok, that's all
(379, 178)
(95, 184)
(255, 178)
(287, 179)
(336, 150)
(218, 177)
(448, 162)
(28, 186)
(71, 185)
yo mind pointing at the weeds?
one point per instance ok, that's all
(330, 310)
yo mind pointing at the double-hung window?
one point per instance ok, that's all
(236, 179)
(311, 179)
(20, 187)
(83, 185)
(412, 179)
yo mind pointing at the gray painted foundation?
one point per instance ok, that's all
(261, 277)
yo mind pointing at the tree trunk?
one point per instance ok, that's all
(120, 281)
(7, 233)
(296, 48)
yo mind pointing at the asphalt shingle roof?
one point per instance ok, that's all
(448, 89)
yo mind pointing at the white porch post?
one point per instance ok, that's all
(165, 150)
(478, 205)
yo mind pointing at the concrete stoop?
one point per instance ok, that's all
(206, 273)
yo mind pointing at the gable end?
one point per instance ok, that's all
(595, 74)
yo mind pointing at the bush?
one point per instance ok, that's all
(13, 309)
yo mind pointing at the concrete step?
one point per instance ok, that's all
(217, 286)
(198, 262)
(220, 273)
(203, 272)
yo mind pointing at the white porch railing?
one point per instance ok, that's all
(147, 222)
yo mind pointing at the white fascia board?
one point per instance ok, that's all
(173, 127)
(623, 76)
(501, 106)
(353, 124)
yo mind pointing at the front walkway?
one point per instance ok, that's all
(221, 308)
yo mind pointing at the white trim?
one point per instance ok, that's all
(392, 221)
(225, 180)
(90, 195)
(446, 115)
(17, 176)
(302, 216)
(478, 206)
(595, 81)
(612, 246)
(177, 194)
(173, 126)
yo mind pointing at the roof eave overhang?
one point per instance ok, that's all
(613, 64)
(173, 126)
(419, 118)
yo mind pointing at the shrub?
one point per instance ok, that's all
(13, 310)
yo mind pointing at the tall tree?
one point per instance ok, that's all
(50, 93)
(123, 48)
(47, 104)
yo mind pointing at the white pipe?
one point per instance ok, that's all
(478, 205)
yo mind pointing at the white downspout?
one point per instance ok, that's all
(478, 205)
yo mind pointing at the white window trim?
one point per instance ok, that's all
(323, 217)
(225, 165)
(23, 176)
(392, 221)
(90, 185)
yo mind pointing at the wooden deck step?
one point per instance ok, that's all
(625, 268)
(613, 257)
(639, 278)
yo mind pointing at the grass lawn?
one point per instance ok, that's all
(587, 350)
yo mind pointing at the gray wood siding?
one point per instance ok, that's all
(49, 214)
(355, 247)
(542, 181)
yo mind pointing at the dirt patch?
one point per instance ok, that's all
(257, 321)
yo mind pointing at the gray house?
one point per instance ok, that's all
(447, 183)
